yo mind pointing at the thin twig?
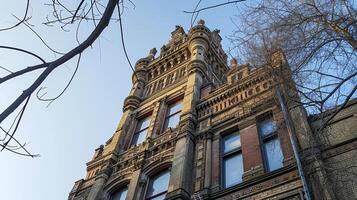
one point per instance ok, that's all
(213, 6)
(22, 20)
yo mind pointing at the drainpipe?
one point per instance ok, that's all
(293, 142)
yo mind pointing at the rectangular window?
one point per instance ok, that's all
(173, 115)
(140, 131)
(232, 160)
(240, 75)
(273, 155)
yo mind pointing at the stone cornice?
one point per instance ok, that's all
(227, 90)
(182, 47)
(182, 64)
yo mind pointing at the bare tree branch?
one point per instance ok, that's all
(22, 20)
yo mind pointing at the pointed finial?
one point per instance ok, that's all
(234, 62)
(201, 22)
(152, 53)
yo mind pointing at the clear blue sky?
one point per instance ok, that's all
(67, 132)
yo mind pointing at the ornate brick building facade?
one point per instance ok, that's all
(194, 128)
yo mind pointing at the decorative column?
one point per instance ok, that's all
(181, 172)
(133, 185)
(208, 162)
(116, 144)
(99, 182)
(131, 103)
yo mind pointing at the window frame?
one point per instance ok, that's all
(168, 116)
(229, 154)
(139, 122)
(150, 181)
(264, 139)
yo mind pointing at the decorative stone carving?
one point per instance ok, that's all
(131, 102)
(201, 22)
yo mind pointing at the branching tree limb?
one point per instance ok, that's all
(91, 10)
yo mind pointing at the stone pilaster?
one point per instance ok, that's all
(215, 163)
(97, 188)
(208, 162)
(134, 185)
(181, 173)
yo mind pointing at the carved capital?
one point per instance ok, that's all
(131, 103)
(141, 63)
(139, 75)
(209, 135)
(197, 66)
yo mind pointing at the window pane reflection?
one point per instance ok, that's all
(120, 194)
(142, 124)
(233, 168)
(274, 154)
(176, 107)
(139, 138)
(267, 127)
(158, 184)
(231, 142)
(173, 121)
(173, 113)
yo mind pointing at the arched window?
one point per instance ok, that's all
(120, 194)
(157, 187)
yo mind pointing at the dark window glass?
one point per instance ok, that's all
(140, 131)
(257, 89)
(234, 78)
(232, 160)
(120, 194)
(273, 155)
(173, 115)
(240, 75)
(157, 188)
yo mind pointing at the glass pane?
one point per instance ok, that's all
(158, 183)
(139, 138)
(231, 142)
(172, 121)
(143, 123)
(233, 170)
(274, 154)
(266, 127)
(120, 194)
(173, 108)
